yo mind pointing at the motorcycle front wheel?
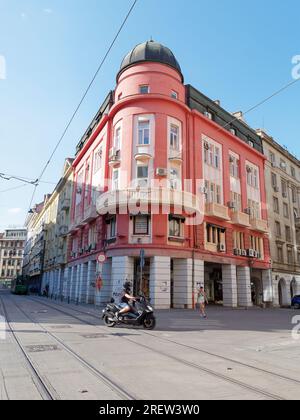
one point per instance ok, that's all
(109, 322)
(149, 323)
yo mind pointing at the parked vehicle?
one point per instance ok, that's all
(141, 315)
(18, 287)
(296, 302)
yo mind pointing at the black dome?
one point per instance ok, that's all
(150, 51)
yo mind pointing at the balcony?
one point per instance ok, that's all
(66, 203)
(175, 156)
(131, 199)
(259, 225)
(114, 157)
(241, 219)
(90, 213)
(217, 210)
(142, 153)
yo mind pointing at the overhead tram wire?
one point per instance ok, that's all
(82, 99)
(285, 87)
(14, 188)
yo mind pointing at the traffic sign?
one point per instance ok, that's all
(101, 258)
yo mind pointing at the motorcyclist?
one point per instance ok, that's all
(126, 299)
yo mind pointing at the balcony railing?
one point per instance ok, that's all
(259, 225)
(175, 155)
(217, 210)
(241, 219)
(90, 213)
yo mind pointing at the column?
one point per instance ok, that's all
(182, 283)
(297, 278)
(122, 271)
(106, 293)
(244, 287)
(267, 286)
(84, 283)
(275, 282)
(160, 282)
(91, 282)
(229, 286)
(78, 282)
(73, 282)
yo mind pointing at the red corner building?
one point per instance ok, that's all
(165, 172)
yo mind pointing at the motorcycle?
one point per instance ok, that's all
(140, 315)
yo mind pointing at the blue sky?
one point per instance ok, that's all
(233, 50)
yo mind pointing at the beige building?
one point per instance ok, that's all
(12, 243)
(282, 177)
(47, 240)
(56, 215)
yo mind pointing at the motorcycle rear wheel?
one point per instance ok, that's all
(149, 323)
(109, 322)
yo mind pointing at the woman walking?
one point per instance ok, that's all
(202, 301)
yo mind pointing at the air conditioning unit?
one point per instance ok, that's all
(237, 252)
(161, 172)
(251, 253)
(244, 253)
(222, 248)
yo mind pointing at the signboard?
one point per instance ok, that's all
(101, 258)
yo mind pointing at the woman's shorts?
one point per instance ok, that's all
(124, 305)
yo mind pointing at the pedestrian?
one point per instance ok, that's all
(202, 301)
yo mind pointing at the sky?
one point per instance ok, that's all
(237, 51)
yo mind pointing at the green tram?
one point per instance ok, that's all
(18, 287)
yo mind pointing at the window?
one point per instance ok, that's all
(175, 180)
(274, 180)
(254, 208)
(288, 234)
(256, 243)
(294, 194)
(144, 89)
(238, 240)
(98, 159)
(209, 115)
(276, 205)
(278, 229)
(286, 210)
(233, 131)
(293, 172)
(115, 179)
(212, 193)
(117, 139)
(175, 226)
(234, 165)
(215, 235)
(290, 255)
(236, 199)
(142, 175)
(272, 157)
(174, 94)
(252, 177)
(174, 137)
(212, 155)
(141, 225)
(284, 189)
(144, 133)
(112, 227)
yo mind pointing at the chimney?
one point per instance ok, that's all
(239, 116)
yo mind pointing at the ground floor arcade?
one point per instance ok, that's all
(169, 282)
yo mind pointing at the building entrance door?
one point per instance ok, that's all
(141, 283)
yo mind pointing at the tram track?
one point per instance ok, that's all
(43, 388)
(110, 383)
(254, 389)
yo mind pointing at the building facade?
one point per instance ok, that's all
(47, 239)
(282, 175)
(12, 243)
(164, 169)
(56, 215)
